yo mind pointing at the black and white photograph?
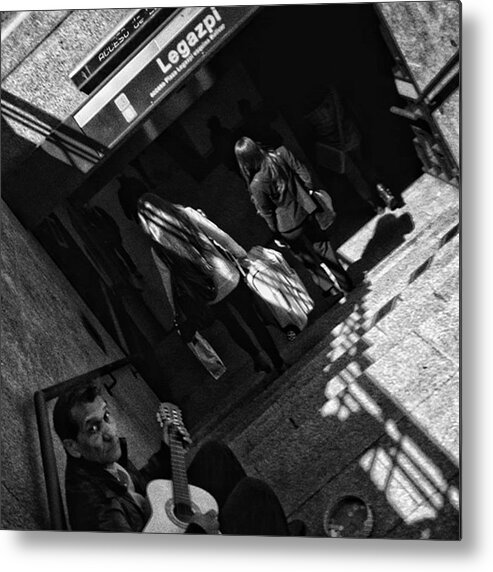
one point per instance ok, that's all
(231, 270)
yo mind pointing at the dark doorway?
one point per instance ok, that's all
(265, 80)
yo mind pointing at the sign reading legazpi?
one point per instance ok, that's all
(179, 49)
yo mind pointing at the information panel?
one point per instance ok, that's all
(179, 49)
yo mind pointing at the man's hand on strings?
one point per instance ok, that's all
(208, 521)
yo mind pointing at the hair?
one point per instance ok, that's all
(66, 426)
(178, 242)
(255, 158)
(131, 189)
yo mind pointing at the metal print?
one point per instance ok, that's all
(230, 270)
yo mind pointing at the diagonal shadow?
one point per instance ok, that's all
(48, 126)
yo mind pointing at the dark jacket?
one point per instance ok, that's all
(97, 501)
(289, 210)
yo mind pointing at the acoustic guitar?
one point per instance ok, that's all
(174, 502)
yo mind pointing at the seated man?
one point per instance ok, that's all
(105, 491)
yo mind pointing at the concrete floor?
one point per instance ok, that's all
(371, 405)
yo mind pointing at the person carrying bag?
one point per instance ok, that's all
(206, 284)
(188, 328)
(282, 191)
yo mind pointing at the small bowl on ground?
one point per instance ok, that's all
(349, 517)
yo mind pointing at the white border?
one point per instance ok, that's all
(80, 552)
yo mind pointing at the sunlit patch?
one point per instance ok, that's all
(454, 497)
(331, 408)
(412, 482)
(351, 403)
(415, 475)
(347, 376)
(366, 401)
(405, 497)
(392, 430)
(426, 465)
(367, 459)
(343, 413)
(334, 387)
(354, 369)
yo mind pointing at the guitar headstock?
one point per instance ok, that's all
(170, 418)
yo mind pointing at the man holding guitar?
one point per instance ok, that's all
(106, 492)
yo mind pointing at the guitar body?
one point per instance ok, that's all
(163, 518)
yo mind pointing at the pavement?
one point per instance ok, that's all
(370, 406)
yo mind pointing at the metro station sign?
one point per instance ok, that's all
(108, 55)
(162, 64)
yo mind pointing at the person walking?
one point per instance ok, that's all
(206, 280)
(339, 148)
(279, 185)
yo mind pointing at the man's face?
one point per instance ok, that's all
(97, 439)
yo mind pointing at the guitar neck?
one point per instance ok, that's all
(181, 491)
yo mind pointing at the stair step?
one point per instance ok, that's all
(347, 423)
(425, 200)
(353, 335)
(388, 279)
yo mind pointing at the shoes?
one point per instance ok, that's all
(386, 196)
(297, 528)
(333, 292)
(291, 334)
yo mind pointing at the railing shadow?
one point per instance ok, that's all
(360, 410)
(385, 455)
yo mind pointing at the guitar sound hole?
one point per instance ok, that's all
(183, 512)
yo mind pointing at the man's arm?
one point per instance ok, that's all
(206, 523)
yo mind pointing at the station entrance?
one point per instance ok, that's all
(263, 83)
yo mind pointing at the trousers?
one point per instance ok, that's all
(312, 247)
(241, 300)
(247, 506)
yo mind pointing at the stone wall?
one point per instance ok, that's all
(42, 51)
(38, 56)
(49, 335)
(428, 35)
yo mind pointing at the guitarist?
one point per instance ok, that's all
(106, 492)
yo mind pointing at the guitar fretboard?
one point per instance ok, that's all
(180, 481)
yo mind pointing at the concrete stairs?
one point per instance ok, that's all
(318, 424)
(389, 279)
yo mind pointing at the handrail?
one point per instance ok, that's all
(454, 60)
